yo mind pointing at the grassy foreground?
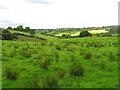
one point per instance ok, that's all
(61, 63)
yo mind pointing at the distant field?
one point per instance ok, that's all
(77, 33)
(13, 31)
(98, 31)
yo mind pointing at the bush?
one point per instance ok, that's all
(49, 81)
(6, 35)
(11, 74)
(85, 33)
(76, 70)
(66, 36)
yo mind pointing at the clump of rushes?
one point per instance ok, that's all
(56, 56)
(10, 73)
(13, 53)
(26, 53)
(16, 46)
(70, 49)
(82, 52)
(60, 73)
(49, 81)
(45, 64)
(87, 55)
(76, 69)
(58, 47)
(111, 56)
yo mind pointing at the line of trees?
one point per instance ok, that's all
(20, 28)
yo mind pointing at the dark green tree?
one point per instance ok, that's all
(32, 32)
(6, 35)
(20, 28)
(65, 36)
(85, 34)
(9, 28)
(27, 29)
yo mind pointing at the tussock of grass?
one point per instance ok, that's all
(87, 55)
(49, 81)
(76, 69)
(10, 73)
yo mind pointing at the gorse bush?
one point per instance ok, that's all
(49, 81)
(76, 70)
(11, 74)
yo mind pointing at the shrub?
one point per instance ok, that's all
(66, 36)
(85, 33)
(76, 70)
(87, 55)
(11, 74)
(6, 35)
(49, 81)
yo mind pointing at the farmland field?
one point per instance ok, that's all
(78, 32)
(89, 62)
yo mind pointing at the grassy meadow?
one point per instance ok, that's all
(88, 62)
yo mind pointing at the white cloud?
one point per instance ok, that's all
(59, 13)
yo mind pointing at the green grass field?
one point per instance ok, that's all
(90, 62)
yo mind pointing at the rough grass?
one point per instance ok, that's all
(56, 63)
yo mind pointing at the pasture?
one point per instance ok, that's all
(89, 62)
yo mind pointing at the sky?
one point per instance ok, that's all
(46, 14)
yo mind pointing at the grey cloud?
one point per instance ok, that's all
(39, 1)
(10, 23)
(3, 8)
